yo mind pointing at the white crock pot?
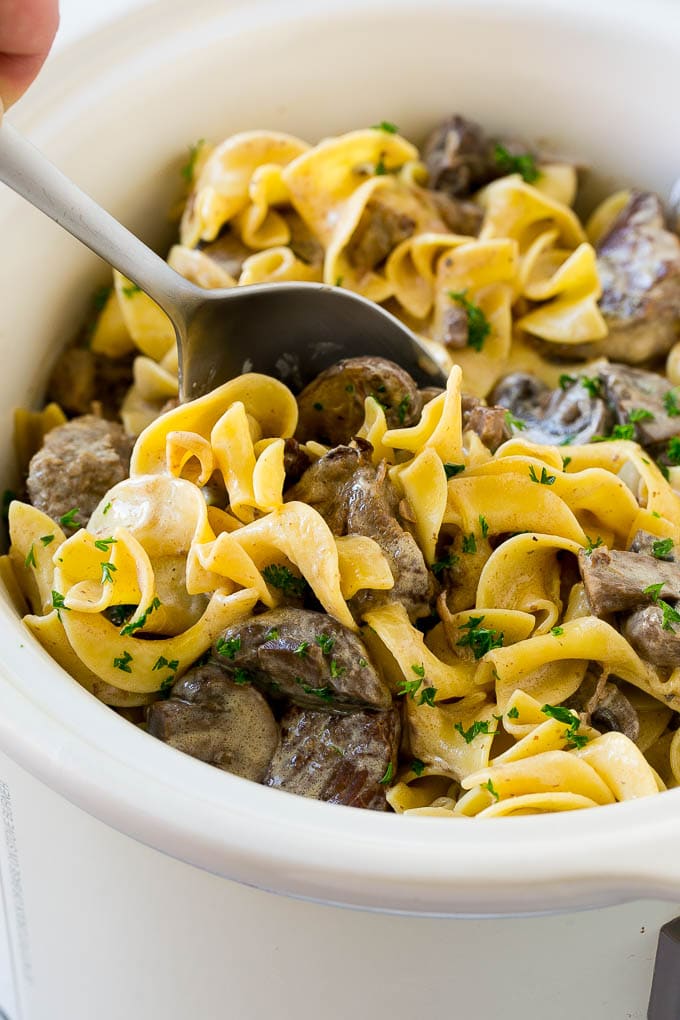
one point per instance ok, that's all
(137, 882)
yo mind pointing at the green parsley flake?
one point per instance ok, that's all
(524, 164)
(325, 643)
(664, 470)
(271, 634)
(446, 563)
(324, 693)
(640, 414)
(58, 603)
(339, 281)
(380, 168)
(363, 663)
(427, 696)
(241, 676)
(662, 548)
(480, 640)
(670, 402)
(68, 520)
(134, 625)
(570, 719)
(285, 580)
(417, 766)
(557, 631)
(419, 671)
(187, 171)
(47, 539)
(161, 663)
(103, 543)
(484, 525)
(478, 726)
(566, 380)
(673, 450)
(337, 670)
(513, 713)
(670, 615)
(301, 649)
(130, 289)
(100, 297)
(402, 409)
(653, 590)
(514, 423)
(545, 478)
(106, 508)
(492, 790)
(622, 432)
(108, 570)
(30, 558)
(122, 662)
(593, 544)
(469, 543)
(478, 325)
(408, 687)
(165, 689)
(228, 647)
(387, 777)
(387, 126)
(451, 470)
(566, 461)
(591, 384)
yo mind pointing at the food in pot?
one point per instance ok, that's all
(458, 602)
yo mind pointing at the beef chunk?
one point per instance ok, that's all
(332, 405)
(455, 329)
(644, 629)
(356, 498)
(490, 423)
(644, 542)
(380, 229)
(307, 657)
(615, 581)
(336, 758)
(461, 157)
(218, 721)
(551, 416)
(631, 389)
(459, 216)
(638, 262)
(76, 466)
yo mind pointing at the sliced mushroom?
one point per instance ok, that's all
(553, 416)
(652, 636)
(616, 581)
(629, 390)
(218, 721)
(380, 229)
(306, 657)
(605, 707)
(490, 423)
(345, 759)
(332, 405)
(461, 157)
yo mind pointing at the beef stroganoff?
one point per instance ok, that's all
(457, 602)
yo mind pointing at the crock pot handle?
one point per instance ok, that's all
(24, 169)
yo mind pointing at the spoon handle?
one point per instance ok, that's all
(24, 169)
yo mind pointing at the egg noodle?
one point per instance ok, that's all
(516, 636)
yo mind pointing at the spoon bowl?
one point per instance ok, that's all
(289, 330)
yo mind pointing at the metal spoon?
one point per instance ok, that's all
(289, 330)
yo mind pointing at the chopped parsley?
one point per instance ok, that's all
(100, 297)
(622, 432)
(670, 615)
(514, 423)
(492, 789)
(161, 663)
(134, 625)
(30, 558)
(68, 520)
(387, 777)
(103, 543)
(285, 580)
(640, 414)
(478, 726)
(427, 696)
(228, 647)
(662, 548)
(271, 634)
(566, 461)
(593, 544)
(336, 670)
(664, 470)
(130, 289)
(387, 126)
(592, 384)
(187, 171)
(47, 539)
(408, 687)
(402, 409)
(513, 713)
(653, 590)
(564, 715)
(363, 663)
(122, 662)
(670, 402)
(58, 603)
(380, 168)
(339, 281)
(301, 649)
(108, 569)
(525, 164)
(106, 508)
(484, 525)
(451, 470)
(673, 450)
(419, 671)
(545, 478)
(566, 380)
(557, 631)
(325, 643)
(325, 693)
(417, 766)
(478, 325)
(480, 639)
(446, 563)
(241, 676)
(469, 543)
(567, 441)
(165, 688)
